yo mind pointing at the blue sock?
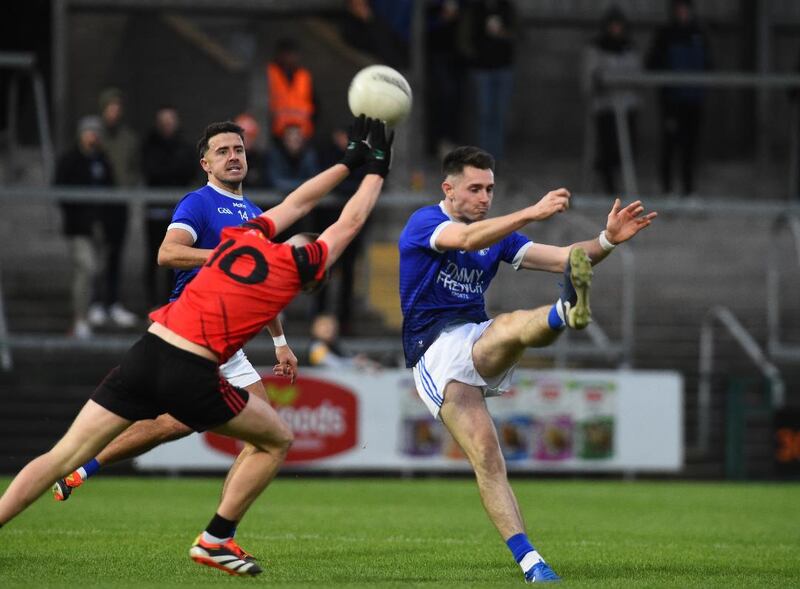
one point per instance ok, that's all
(519, 545)
(554, 320)
(91, 467)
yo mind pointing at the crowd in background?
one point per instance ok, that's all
(470, 50)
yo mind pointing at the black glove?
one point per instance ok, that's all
(357, 151)
(380, 156)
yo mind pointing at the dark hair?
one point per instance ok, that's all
(216, 129)
(455, 161)
(311, 237)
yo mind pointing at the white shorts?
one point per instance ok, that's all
(450, 358)
(238, 371)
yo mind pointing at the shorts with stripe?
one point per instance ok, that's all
(448, 358)
(238, 371)
(155, 377)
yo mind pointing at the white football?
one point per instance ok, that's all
(380, 92)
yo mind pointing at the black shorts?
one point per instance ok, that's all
(155, 377)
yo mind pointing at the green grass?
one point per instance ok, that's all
(123, 532)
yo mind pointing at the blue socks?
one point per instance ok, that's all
(519, 545)
(524, 552)
(555, 321)
(90, 468)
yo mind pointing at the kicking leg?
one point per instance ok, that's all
(505, 340)
(92, 429)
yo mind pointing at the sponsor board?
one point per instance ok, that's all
(598, 420)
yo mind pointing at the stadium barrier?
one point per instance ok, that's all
(777, 348)
(768, 370)
(757, 81)
(551, 420)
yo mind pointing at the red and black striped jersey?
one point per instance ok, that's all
(246, 282)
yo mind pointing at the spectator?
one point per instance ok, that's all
(84, 165)
(167, 160)
(368, 31)
(122, 149)
(611, 51)
(292, 161)
(487, 42)
(326, 351)
(292, 101)
(445, 72)
(321, 218)
(680, 46)
(120, 142)
(256, 156)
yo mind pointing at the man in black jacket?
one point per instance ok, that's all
(85, 221)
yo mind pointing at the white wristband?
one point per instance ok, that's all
(279, 341)
(604, 243)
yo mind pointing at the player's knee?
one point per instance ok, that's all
(285, 439)
(276, 440)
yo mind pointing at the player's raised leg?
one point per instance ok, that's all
(505, 340)
(270, 438)
(92, 429)
(466, 417)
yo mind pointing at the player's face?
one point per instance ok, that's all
(469, 195)
(225, 159)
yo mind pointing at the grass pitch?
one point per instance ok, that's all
(127, 532)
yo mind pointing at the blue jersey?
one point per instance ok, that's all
(439, 288)
(204, 213)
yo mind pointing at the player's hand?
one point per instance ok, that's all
(624, 223)
(285, 370)
(555, 201)
(380, 156)
(357, 151)
(287, 363)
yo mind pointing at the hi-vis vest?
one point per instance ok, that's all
(290, 103)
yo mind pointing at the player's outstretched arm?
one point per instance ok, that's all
(355, 213)
(176, 251)
(300, 202)
(622, 224)
(481, 234)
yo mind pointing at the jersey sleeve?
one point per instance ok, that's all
(423, 228)
(263, 224)
(190, 216)
(310, 260)
(514, 248)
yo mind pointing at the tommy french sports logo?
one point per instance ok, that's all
(322, 415)
(461, 282)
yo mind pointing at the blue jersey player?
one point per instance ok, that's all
(194, 232)
(449, 253)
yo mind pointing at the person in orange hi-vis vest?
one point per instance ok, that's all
(291, 91)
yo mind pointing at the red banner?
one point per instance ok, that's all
(322, 415)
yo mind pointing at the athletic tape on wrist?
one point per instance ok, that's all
(279, 341)
(604, 243)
